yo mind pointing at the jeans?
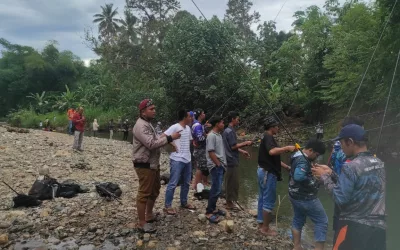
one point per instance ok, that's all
(316, 212)
(70, 127)
(217, 176)
(178, 170)
(266, 192)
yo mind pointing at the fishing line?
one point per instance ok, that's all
(258, 90)
(372, 57)
(387, 101)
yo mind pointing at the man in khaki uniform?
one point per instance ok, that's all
(146, 161)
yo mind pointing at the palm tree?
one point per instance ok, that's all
(128, 26)
(107, 21)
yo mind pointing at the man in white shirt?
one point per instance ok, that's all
(180, 162)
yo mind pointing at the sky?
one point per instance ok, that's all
(35, 22)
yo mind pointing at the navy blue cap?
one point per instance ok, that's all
(352, 131)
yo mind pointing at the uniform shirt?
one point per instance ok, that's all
(360, 190)
(199, 135)
(302, 184)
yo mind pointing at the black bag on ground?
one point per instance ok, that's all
(23, 200)
(43, 189)
(108, 189)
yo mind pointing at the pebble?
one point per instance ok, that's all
(146, 237)
(152, 244)
(3, 239)
(202, 217)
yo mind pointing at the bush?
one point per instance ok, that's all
(28, 118)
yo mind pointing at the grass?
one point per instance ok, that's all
(27, 118)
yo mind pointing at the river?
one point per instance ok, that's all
(248, 194)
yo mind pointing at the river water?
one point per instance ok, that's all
(248, 194)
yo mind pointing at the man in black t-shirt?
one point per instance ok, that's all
(269, 172)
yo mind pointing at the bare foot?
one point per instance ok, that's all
(268, 232)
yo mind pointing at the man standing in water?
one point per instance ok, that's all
(180, 163)
(269, 172)
(232, 150)
(146, 161)
(359, 191)
(79, 121)
(303, 190)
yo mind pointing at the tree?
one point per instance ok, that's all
(238, 13)
(107, 21)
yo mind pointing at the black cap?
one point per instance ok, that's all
(270, 122)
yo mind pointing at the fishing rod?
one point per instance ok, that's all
(10, 187)
(387, 101)
(297, 146)
(372, 57)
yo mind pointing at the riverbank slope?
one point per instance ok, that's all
(89, 222)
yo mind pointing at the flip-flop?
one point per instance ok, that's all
(169, 212)
(156, 217)
(213, 219)
(147, 228)
(220, 212)
(189, 207)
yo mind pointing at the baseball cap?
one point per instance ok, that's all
(270, 122)
(145, 103)
(353, 131)
(191, 113)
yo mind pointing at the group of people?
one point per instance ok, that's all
(76, 127)
(356, 182)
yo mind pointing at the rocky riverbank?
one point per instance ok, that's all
(89, 222)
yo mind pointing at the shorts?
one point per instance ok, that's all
(200, 158)
(149, 184)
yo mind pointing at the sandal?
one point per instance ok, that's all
(189, 207)
(169, 211)
(156, 217)
(147, 228)
(220, 212)
(213, 219)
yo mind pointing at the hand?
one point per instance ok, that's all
(246, 154)
(175, 148)
(176, 135)
(248, 143)
(290, 148)
(319, 170)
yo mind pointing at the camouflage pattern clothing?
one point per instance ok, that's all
(359, 191)
(200, 158)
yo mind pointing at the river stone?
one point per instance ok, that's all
(146, 237)
(202, 217)
(3, 239)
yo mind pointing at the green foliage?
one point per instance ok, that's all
(180, 61)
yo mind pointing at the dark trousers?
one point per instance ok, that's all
(336, 214)
(217, 176)
(356, 236)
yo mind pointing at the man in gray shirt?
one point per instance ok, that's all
(232, 150)
(216, 163)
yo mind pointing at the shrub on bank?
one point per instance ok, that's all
(28, 118)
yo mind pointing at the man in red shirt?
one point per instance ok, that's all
(79, 122)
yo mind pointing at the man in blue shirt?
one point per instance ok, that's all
(303, 190)
(337, 159)
(360, 193)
